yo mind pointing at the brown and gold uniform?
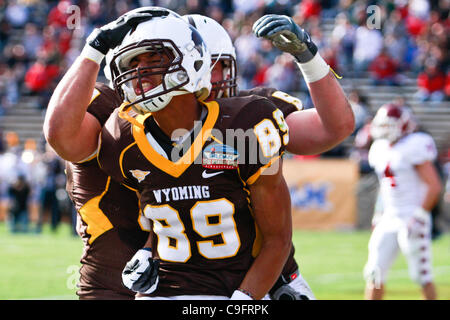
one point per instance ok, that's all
(107, 217)
(196, 192)
(287, 104)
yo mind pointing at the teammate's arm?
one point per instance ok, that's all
(271, 206)
(316, 130)
(68, 129)
(71, 131)
(430, 177)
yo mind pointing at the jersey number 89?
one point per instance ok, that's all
(269, 137)
(209, 218)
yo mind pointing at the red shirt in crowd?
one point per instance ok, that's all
(447, 85)
(40, 76)
(310, 8)
(383, 66)
(431, 83)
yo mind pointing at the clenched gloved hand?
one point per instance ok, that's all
(141, 272)
(111, 35)
(286, 35)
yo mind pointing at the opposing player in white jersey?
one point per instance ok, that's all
(409, 188)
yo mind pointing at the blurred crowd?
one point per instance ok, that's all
(386, 41)
(32, 186)
(383, 39)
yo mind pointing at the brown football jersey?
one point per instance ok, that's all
(198, 202)
(287, 104)
(107, 217)
(283, 101)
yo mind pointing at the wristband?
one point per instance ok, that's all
(420, 212)
(143, 254)
(315, 69)
(241, 294)
(92, 54)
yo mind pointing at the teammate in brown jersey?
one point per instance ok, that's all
(206, 196)
(107, 217)
(291, 285)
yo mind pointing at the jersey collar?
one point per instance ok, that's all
(177, 168)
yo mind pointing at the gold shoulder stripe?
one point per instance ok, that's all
(283, 96)
(124, 113)
(216, 140)
(244, 184)
(97, 222)
(257, 243)
(121, 158)
(128, 187)
(256, 175)
(95, 94)
(91, 157)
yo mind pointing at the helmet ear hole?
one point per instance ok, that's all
(198, 65)
(181, 76)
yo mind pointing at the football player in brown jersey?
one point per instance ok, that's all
(221, 225)
(291, 285)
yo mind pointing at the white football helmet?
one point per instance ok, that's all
(188, 70)
(222, 50)
(391, 122)
(156, 12)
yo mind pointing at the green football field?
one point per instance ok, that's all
(45, 266)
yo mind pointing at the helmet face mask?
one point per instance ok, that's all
(226, 87)
(128, 80)
(183, 65)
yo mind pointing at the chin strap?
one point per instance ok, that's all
(202, 94)
(124, 113)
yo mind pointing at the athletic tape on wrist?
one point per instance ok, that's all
(92, 54)
(315, 69)
(421, 212)
(143, 254)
